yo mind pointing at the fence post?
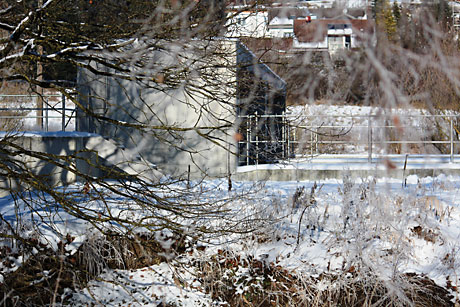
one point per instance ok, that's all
(46, 115)
(316, 141)
(311, 140)
(257, 139)
(369, 139)
(248, 137)
(63, 112)
(288, 138)
(294, 141)
(451, 139)
(283, 137)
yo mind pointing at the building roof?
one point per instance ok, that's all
(338, 13)
(277, 21)
(287, 12)
(316, 30)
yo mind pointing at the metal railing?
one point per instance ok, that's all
(290, 137)
(23, 112)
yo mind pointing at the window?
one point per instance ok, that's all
(348, 42)
(338, 26)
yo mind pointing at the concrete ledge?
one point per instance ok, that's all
(63, 144)
(301, 175)
(336, 166)
(90, 154)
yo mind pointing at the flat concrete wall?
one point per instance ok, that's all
(62, 145)
(100, 158)
(322, 174)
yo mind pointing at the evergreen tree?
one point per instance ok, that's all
(386, 21)
(396, 12)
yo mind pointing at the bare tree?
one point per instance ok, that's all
(151, 75)
(167, 93)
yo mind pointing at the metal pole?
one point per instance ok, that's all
(248, 137)
(288, 137)
(39, 79)
(369, 139)
(311, 141)
(451, 139)
(316, 141)
(257, 140)
(283, 137)
(63, 112)
(294, 139)
(46, 116)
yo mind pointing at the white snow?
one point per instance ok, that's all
(276, 21)
(378, 225)
(150, 286)
(391, 215)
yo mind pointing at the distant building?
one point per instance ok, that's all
(281, 21)
(247, 23)
(331, 34)
(329, 29)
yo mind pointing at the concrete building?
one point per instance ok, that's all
(189, 128)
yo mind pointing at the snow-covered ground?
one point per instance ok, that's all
(350, 229)
(330, 227)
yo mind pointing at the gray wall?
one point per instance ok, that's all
(63, 144)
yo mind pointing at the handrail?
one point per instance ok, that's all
(381, 130)
(56, 112)
(346, 115)
(31, 95)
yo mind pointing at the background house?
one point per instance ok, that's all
(281, 20)
(247, 23)
(311, 28)
(331, 34)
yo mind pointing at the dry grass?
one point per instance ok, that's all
(251, 282)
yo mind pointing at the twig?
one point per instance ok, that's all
(308, 205)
